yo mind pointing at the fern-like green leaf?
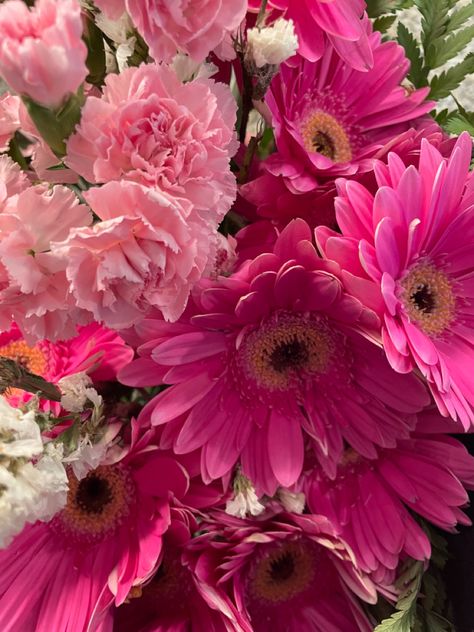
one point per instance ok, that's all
(445, 49)
(460, 16)
(412, 50)
(457, 123)
(442, 85)
(384, 22)
(435, 20)
(409, 583)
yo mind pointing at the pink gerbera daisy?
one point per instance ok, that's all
(331, 120)
(272, 350)
(288, 573)
(96, 350)
(407, 251)
(175, 599)
(66, 573)
(317, 21)
(369, 499)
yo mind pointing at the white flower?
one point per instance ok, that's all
(76, 391)
(187, 69)
(87, 456)
(272, 45)
(294, 503)
(244, 502)
(20, 436)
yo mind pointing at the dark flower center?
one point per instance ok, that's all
(323, 144)
(282, 568)
(289, 355)
(424, 299)
(93, 494)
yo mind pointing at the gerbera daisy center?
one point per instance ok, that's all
(429, 298)
(31, 358)
(323, 134)
(285, 349)
(282, 572)
(96, 505)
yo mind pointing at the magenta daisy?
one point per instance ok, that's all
(317, 21)
(286, 574)
(331, 120)
(63, 574)
(96, 350)
(175, 599)
(408, 252)
(265, 354)
(369, 499)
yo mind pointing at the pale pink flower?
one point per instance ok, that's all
(188, 26)
(12, 179)
(148, 251)
(113, 9)
(407, 252)
(151, 128)
(42, 55)
(9, 118)
(34, 291)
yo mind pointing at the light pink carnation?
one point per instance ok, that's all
(148, 251)
(9, 119)
(190, 26)
(33, 286)
(42, 54)
(151, 128)
(12, 180)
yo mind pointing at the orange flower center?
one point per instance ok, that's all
(323, 134)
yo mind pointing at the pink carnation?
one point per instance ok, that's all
(407, 252)
(319, 21)
(9, 119)
(34, 291)
(42, 55)
(148, 251)
(151, 128)
(190, 27)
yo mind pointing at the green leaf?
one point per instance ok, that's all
(376, 8)
(457, 123)
(409, 582)
(94, 41)
(444, 50)
(412, 50)
(437, 623)
(384, 22)
(435, 20)
(459, 17)
(442, 85)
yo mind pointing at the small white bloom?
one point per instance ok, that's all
(272, 45)
(294, 503)
(87, 456)
(244, 502)
(20, 436)
(76, 391)
(187, 69)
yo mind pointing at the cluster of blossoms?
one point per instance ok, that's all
(230, 377)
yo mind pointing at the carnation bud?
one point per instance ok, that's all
(272, 45)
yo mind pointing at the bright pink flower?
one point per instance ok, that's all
(319, 21)
(369, 499)
(42, 55)
(65, 574)
(96, 350)
(151, 128)
(9, 118)
(331, 120)
(34, 291)
(148, 251)
(407, 252)
(190, 27)
(289, 573)
(265, 354)
(175, 599)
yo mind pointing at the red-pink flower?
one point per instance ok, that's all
(288, 573)
(319, 21)
(42, 55)
(190, 27)
(96, 350)
(148, 251)
(407, 252)
(369, 500)
(65, 574)
(175, 598)
(34, 291)
(331, 120)
(267, 356)
(151, 128)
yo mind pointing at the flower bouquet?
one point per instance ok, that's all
(236, 314)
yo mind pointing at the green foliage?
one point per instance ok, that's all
(409, 583)
(412, 51)
(376, 8)
(442, 85)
